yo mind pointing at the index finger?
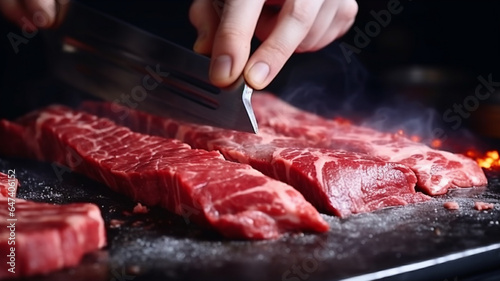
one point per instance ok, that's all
(232, 40)
(293, 24)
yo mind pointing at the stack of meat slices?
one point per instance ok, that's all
(335, 181)
(436, 170)
(232, 198)
(38, 238)
(238, 183)
(340, 168)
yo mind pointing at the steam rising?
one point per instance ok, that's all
(326, 84)
(413, 118)
(323, 83)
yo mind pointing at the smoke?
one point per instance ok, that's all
(413, 118)
(324, 82)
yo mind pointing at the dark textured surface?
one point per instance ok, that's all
(162, 246)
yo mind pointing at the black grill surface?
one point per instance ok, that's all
(415, 242)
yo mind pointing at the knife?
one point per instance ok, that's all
(116, 61)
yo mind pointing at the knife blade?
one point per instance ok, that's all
(116, 61)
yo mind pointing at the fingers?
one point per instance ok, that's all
(284, 26)
(42, 13)
(343, 21)
(321, 26)
(231, 47)
(13, 10)
(293, 24)
(349, 10)
(333, 21)
(267, 22)
(39, 13)
(204, 16)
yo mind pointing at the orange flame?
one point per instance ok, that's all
(490, 159)
(472, 154)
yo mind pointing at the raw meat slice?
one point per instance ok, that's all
(436, 170)
(38, 238)
(481, 206)
(452, 205)
(233, 198)
(140, 209)
(347, 182)
(8, 184)
(334, 181)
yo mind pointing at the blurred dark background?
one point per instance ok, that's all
(455, 34)
(427, 56)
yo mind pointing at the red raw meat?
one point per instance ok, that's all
(480, 206)
(452, 205)
(10, 141)
(39, 238)
(334, 181)
(140, 209)
(8, 185)
(233, 198)
(436, 170)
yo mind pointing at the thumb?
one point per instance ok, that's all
(204, 16)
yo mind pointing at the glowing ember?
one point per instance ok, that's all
(342, 121)
(436, 143)
(472, 154)
(416, 138)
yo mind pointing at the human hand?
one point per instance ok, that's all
(283, 26)
(38, 13)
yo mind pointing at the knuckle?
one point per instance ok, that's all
(233, 32)
(278, 50)
(347, 17)
(200, 11)
(303, 12)
(350, 9)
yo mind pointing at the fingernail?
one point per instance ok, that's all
(221, 68)
(258, 73)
